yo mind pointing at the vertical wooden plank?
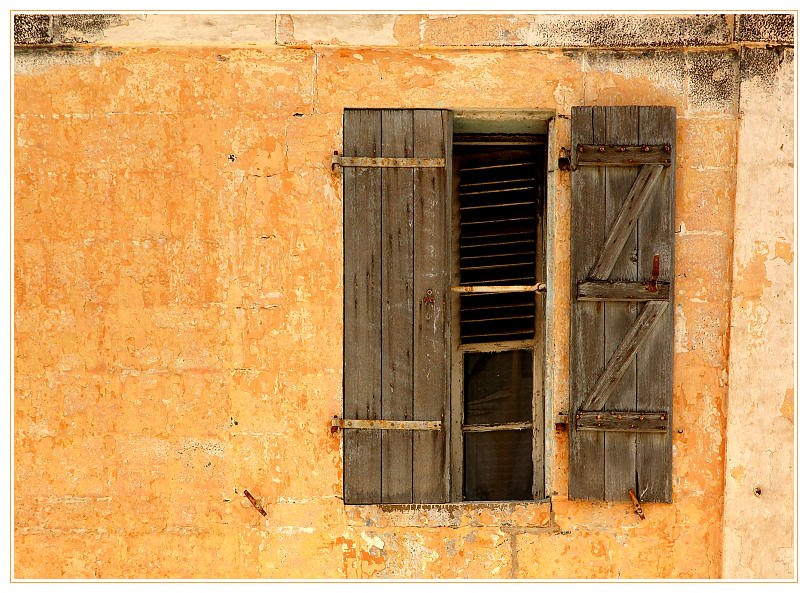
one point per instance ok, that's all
(586, 475)
(397, 305)
(362, 304)
(619, 447)
(539, 353)
(456, 364)
(657, 125)
(430, 299)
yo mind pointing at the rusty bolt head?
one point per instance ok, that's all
(642, 417)
(598, 416)
(619, 417)
(580, 148)
(662, 417)
(601, 149)
(632, 426)
(667, 148)
(645, 149)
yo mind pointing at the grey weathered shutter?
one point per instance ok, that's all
(621, 341)
(396, 349)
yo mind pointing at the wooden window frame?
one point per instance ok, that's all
(541, 403)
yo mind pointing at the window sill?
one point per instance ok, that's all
(522, 513)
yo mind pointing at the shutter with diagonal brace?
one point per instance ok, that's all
(621, 339)
(396, 351)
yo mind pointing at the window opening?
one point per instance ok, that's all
(498, 190)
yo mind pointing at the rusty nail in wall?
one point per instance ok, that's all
(255, 503)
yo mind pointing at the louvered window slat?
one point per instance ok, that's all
(498, 193)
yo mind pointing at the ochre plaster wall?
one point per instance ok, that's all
(178, 311)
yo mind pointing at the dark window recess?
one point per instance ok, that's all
(498, 465)
(499, 194)
(498, 390)
(498, 387)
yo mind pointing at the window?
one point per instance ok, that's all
(444, 305)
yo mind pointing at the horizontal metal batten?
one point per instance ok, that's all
(363, 161)
(621, 156)
(387, 424)
(628, 421)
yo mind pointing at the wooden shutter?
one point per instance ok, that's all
(396, 348)
(621, 342)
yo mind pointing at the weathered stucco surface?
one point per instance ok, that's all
(760, 419)
(178, 294)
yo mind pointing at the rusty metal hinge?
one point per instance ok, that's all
(364, 161)
(337, 423)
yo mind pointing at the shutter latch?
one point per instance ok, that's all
(652, 286)
(540, 287)
(337, 423)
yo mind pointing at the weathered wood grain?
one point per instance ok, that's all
(539, 354)
(588, 232)
(622, 358)
(362, 308)
(430, 299)
(621, 271)
(624, 224)
(655, 358)
(397, 305)
(620, 250)
(622, 291)
(456, 396)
